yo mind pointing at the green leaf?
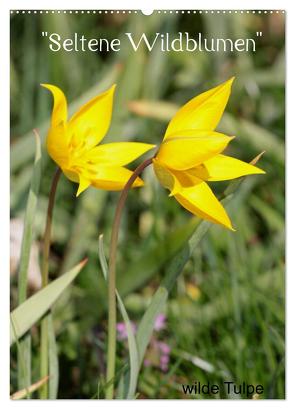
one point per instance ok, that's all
(102, 257)
(146, 326)
(143, 336)
(133, 350)
(28, 223)
(30, 311)
(52, 359)
(24, 349)
(132, 344)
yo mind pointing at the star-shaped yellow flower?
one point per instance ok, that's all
(73, 144)
(190, 155)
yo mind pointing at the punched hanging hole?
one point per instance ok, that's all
(147, 12)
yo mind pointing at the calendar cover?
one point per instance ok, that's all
(147, 204)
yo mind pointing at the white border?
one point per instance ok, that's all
(4, 203)
(148, 12)
(152, 4)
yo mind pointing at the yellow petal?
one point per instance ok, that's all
(112, 178)
(72, 175)
(202, 112)
(190, 148)
(185, 178)
(57, 141)
(201, 201)
(119, 153)
(59, 111)
(166, 177)
(223, 167)
(57, 144)
(84, 183)
(91, 122)
(174, 180)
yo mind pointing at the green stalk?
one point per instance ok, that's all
(112, 311)
(44, 271)
(24, 345)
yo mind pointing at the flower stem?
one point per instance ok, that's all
(112, 313)
(44, 273)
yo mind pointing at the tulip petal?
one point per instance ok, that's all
(84, 183)
(202, 112)
(191, 148)
(201, 201)
(166, 177)
(57, 143)
(223, 167)
(71, 175)
(91, 122)
(118, 153)
(113, 178)
(60, 110)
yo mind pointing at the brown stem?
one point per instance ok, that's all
(47, 233)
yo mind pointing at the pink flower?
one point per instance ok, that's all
(164, 361)
(160, 322)
(122, 330)
(164, 348)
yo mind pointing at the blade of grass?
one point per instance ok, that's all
(52, 360)
(103, 386)
(146, 326)
(29, 312)
(24, 373)
(132, 344)
(21, 362)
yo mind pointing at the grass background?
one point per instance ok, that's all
(225, 316)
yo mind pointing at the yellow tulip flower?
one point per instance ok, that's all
(73, 144)
(191, 155)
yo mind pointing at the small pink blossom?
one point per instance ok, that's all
(160, 322)
(122, 330)
(164, 359)
(165, 348)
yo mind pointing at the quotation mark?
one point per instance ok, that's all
(44, 33)
(259, 33)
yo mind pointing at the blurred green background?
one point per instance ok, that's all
(225, 316)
